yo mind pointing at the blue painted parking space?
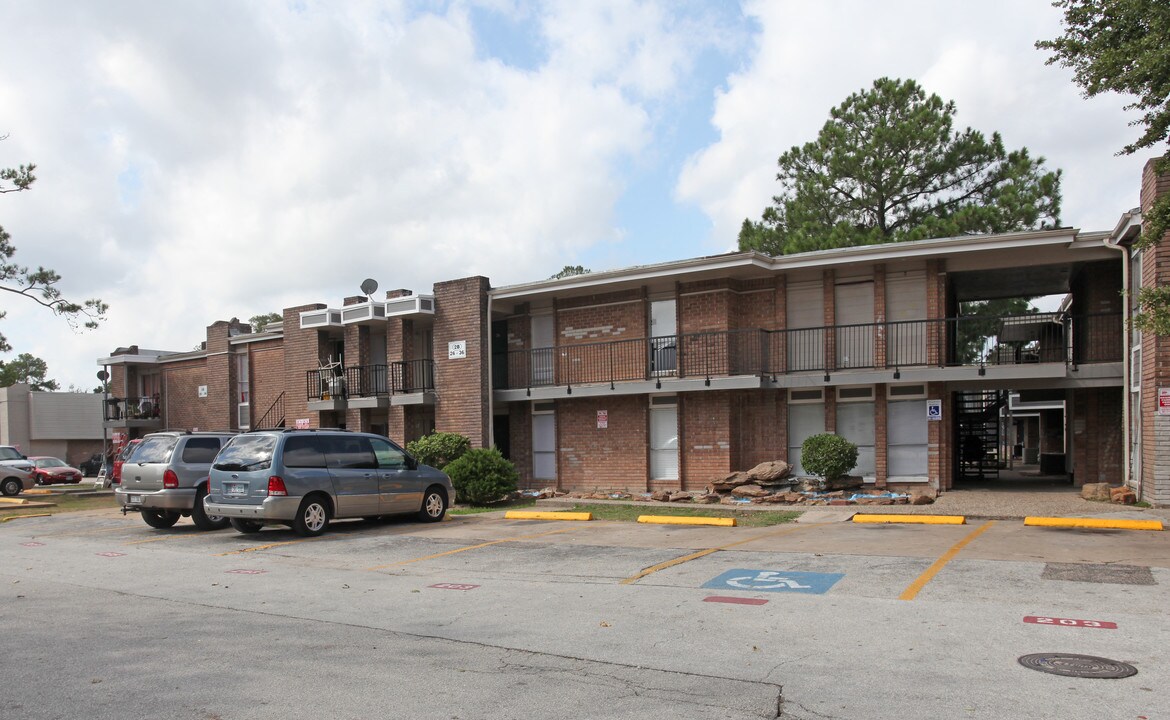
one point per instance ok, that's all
(775, 581)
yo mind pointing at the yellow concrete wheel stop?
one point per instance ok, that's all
(685, 520)
(912, 519)
(545, 515)
(1094, 523)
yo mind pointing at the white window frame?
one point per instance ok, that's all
(869, 397)
(793, 400)
(919, 395)
(539, 408)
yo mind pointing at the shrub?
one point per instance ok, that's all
(438, 449)
(482, 476)
(828, 456)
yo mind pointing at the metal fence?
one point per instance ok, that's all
(947, 342)
(405, 376)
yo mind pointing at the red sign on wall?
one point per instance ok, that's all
(1069, 622)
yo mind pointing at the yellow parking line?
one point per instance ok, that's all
(14, 517)
(266, 547)
(470, 547)
(915, 587)
(703, 553)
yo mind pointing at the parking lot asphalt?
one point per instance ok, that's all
(480, 616)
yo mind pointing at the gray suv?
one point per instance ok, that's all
(15, 471)
(165, 478)
(305, 478)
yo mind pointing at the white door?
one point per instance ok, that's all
(905, 304)
(806, 320)
(906, 440)
(855, 424)
(544, 446)
(543, 339)
(804, 421)
(663, 438)
(853, 309)
(663, 337)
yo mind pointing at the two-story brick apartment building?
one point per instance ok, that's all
(671, 375)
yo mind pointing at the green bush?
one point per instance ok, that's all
(482, 476)
(828, 456)
(438, 449)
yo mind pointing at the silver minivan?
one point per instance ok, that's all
(305, 478)
(165, 478)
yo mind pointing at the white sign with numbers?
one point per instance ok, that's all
(457, 350)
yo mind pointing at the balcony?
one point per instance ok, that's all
(1016, 344)
(406, 382)
(133, 412)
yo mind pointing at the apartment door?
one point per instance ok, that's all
(806, 320)
(543, 340)
(544, 441)
(853, 301)
(663, 337)
(664, 438)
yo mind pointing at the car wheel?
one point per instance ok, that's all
(10, 486)
(434, 505)
(202, 520)
(39, 479)
(313, 517)
(161, 519)
(245, 526)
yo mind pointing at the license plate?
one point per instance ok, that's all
(134, 499)
(235, 489)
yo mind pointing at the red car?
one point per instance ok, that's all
(127, 451)
(49, 470)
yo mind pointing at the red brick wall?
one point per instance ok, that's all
(219, 406)
(880, 425)
(759, 427)
(184, 408)
(936, 308)
(705, 440)
(462, 384)
(1097, 438)
(267, 376)
(940, 442)
(584, 326)
(520, 438)
(1155, 441)
(613, 458)
(302, 352)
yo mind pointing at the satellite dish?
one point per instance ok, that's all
(369, 286)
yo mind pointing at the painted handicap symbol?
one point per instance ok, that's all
(766, 580)
(775, 581)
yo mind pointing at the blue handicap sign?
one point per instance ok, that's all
(775, 581)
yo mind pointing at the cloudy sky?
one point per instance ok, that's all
(199, 161)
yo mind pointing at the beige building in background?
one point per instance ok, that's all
(60, 424)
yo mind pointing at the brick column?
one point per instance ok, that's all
(462, 384)
(1154, 486)
(301, 354)
(880, 433)
(879, 315)
(828, 288)
(936, 309)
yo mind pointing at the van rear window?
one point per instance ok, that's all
(155, 449)
(246, 452)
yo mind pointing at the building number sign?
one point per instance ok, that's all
(457, 350)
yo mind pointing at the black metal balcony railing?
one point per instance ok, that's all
(949, 342)
(135, 407)
(405, 376)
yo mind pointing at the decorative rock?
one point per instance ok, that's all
(794, 497)
(731, 480)
(769, 472)
(681, 496)
(836, 502)
(1125, 497)
(921, 499)
(660, 496)
(708, 498)
(1095, 491)
(749, 491)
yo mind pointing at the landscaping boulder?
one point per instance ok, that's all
(729, 481)
(921, 499)
(749, 491)
(708, 498)
(1122, 495)
(769, 472)
(660, 496)
(1095, 491)
(681, 496)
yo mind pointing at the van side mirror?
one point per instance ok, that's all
(411, 463)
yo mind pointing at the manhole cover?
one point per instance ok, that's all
(1082, 666)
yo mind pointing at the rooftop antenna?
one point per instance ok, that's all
(369, 287)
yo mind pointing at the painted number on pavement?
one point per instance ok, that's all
(1069, 622)
(453, 586)
(110, 554)
(775, 581)
(246, 572)
(32, 544)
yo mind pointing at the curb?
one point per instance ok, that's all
(686, 520)
(538, 515)
(15, 517)
(913, 519)
(1096, 523)
(13, 501)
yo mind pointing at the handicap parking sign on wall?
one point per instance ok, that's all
(775, 581)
